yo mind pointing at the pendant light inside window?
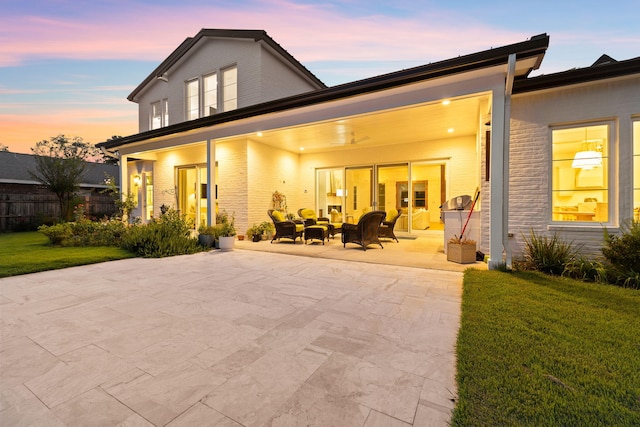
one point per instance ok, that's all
(590, 155)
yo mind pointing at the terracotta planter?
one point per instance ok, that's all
(462, 254)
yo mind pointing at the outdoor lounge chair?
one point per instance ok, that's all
(386, 229)
(285, 228)
(365, 232)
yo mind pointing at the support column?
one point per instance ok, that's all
(211, 180)
(511, 70)
(124, 179)
(497, 176)
(500, 135)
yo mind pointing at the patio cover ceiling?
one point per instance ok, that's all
(432, 121)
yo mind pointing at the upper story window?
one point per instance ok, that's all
(580, 171)
(159, 114)
(210, 94)
(230, 88)
(193, 99)
(636, 170)
(217, 93)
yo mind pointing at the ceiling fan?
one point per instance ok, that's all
(353, 139)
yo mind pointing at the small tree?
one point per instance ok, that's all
(4, 147)
(60, 165)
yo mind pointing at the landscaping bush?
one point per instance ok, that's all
(57, 233)
(84, 232)
(548, 255)
(585, 269)
(167, 235)
(623, 255)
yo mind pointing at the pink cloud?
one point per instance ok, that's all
(309, 32)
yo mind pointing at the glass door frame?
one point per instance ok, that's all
(200, 217)
(374, 189)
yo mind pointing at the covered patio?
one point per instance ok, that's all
(425, 251)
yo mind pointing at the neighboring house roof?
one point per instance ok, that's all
(604, 68)
(15, 167)
(190, 42)
(533, 48)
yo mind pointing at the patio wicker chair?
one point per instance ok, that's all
(365, 232)
(386, 228)
(285, 228)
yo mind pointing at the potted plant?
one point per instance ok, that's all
(461, 250)
(267, 229)
(207, 235)
(227, 231)
(254, 233)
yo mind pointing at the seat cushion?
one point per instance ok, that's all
(299, 227)
(308, 213)
(278, 216)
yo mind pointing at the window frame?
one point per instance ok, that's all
(188, 110)
(225, 91)
(201, 91)
(608, 185)
(163, 116)
(215, 90)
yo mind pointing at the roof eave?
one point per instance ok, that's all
(536, 46)
(578, 76)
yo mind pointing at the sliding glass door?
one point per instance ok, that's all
(393, 191)
(358, 195)
(417, 188)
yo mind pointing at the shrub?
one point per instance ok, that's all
(623, 255)
(85, 233)
(167, 235)
(227, 224)
(585, 269)
(548, 255)
(57, 233)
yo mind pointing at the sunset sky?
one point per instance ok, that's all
(67, 66)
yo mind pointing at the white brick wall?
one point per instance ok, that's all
(532, 116)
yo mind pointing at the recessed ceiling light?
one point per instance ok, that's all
(450, 130)
(446, 102)
(259, 134)
(301, 148)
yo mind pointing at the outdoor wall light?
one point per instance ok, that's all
(137, 180)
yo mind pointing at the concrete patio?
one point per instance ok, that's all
(240, 338)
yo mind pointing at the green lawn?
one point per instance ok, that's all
(537, 350)
(29, 252)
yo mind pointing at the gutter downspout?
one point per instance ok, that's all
(511, 70)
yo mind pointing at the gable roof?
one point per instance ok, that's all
(532, 49)
(190, 42)
(15, 167)
(604, 68)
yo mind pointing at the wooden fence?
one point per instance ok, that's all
(27, 211)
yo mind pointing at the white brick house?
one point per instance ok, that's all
(415, 138)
